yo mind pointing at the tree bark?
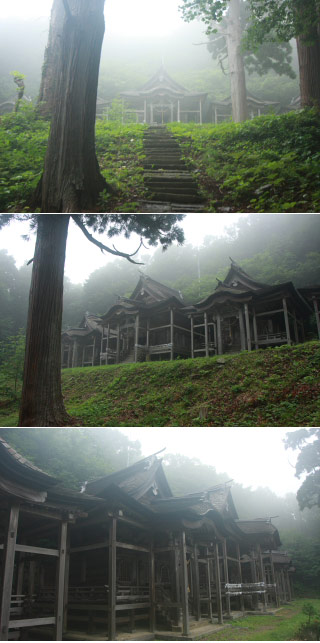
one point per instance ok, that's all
(309, 66)
(236, 63)
(51, 60)
(42, 401)
(71, 180)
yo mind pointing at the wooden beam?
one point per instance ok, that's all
(32, 622)
(133, 547)
(27, 549)
(184, 585)
(61, 580)
(8, 568)
(112, 579)
(101, 545)
(218, 583)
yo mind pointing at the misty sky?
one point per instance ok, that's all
(254, 457)
(83, 257)
(141, 18)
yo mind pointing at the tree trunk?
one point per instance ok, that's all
(42, 402)
(71, 180)
(51, 60)
(236, 63)
(309, 66)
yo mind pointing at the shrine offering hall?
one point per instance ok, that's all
(126, 559)
(154, 323)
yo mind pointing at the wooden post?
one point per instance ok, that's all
(215, 335)
(176, 583)
(196, 584)
(200, 112)
(145, 111)
(148, 334)
(262, 576)
(240, 575)
(274, 580)
(253, 575)
(295, 328)
(219, 335)
(178, 110)
(226, 573)
(206, 337)
(171, 333)
(242, 331)
(184, 586)
(118, 344)
(136, 337)
(61, 580)
(8, 568)
(112, 579)
(286, 320)
(208, 572)
(152, 590)
(246, 315)
(66, 584)
(255, 331)
(75, 354)
(151, 113)
(94, 350)
(171, 112)
(317, 314)
(218, 583)
(192, 337)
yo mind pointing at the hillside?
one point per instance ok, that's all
(273, 387)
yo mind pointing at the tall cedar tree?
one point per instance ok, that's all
(71, 180)
(42, 401)
(275, 20)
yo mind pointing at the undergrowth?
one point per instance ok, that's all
(272, 387)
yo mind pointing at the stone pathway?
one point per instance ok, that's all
(171, 185)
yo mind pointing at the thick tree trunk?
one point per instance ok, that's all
(71, 180)
(42, 402)
(236, 63)
(309, 68)
(51, 60)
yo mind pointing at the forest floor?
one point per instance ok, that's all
(282, 626)
(272, 387)
(267, 164)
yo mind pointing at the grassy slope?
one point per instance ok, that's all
(280, 627)
(274, 387)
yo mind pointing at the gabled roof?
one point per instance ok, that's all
(15, 467)
(161, 83)
(143, 478)
(90, 323)
(237, 278)
(261, 527)
(154, 290)
(217, 498)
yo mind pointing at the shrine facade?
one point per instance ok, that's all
(154, 323)
(125, 558)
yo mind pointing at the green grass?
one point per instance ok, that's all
(273, 387)
(281, 626)
(268, 164)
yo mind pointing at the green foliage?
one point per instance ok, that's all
(309, 631)
(11, 367)
(285, 19)
(305, 552)
(308, 462)
(268, 164)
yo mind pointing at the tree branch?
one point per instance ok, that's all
(102, 247)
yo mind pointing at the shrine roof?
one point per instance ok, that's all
(217, 498)
(161, 83)
(154, 288)
(259, 527)
(14, 466)
(90, 323)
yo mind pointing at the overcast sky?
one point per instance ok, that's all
(254, 457)
(83, 257)
(141, 18)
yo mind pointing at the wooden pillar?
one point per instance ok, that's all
(94, 350)
(118, 344)
(151, 113)
(31, 577)
(316, 310)
(152, 590)
(254, 576)
(171, 333)
(226, 573)
(8, 569)
(66, 584)
(274, 581)
(176, 583)
(61, 580)
(178, 110)
(262, 576)
(184, 585)
(196, 584)
(255, 331)
(148, 334)
(286, 320)
(108, 342)
(200, 112)
(112, 579)
(240, 575)
(208, 574)
(144, 111)
(242, 331)
(246, 315)
(136, 337)
(75, 354)
(171, 112)
(219, 335)
(218, 583)
(192, 337)
(215, 115)
(69, 356)
(215, 335)
(295, 328)
(206, 335)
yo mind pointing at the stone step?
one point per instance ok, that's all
(164, 166)
(174, 197)
(164, 189)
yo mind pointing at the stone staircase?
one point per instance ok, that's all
(170, 184)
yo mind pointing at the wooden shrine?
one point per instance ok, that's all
(127, 556)
(154, 323)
